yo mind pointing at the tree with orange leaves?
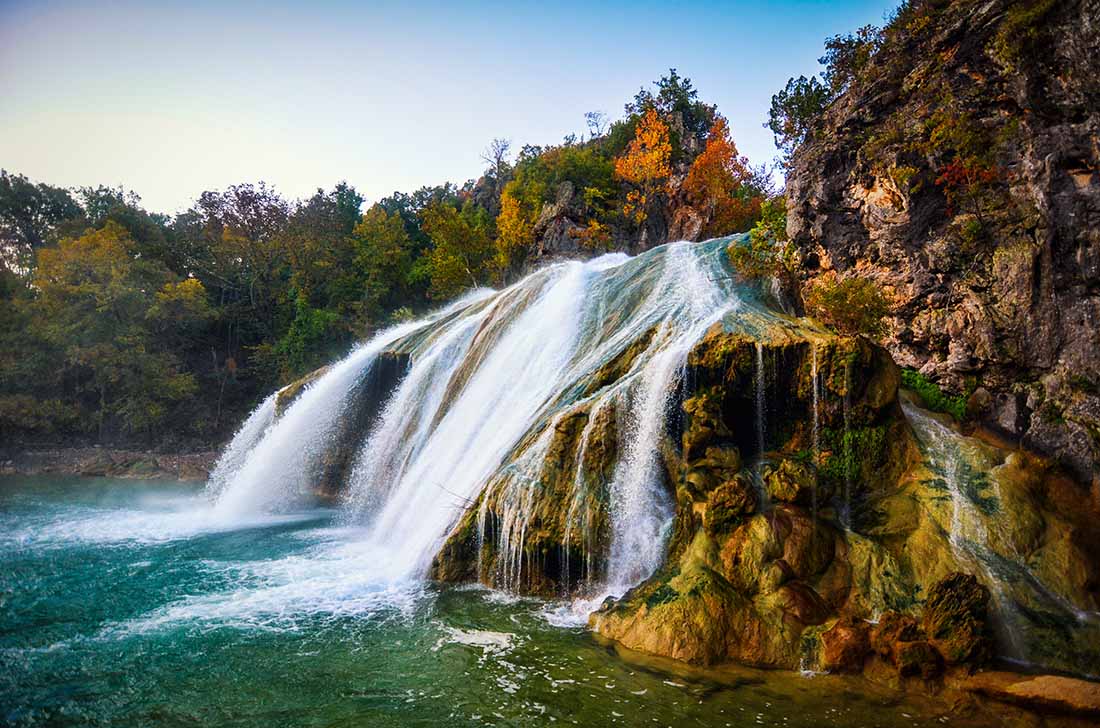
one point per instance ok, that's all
(645, 164)
(717, 183)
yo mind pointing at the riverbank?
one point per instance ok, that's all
(101, 461)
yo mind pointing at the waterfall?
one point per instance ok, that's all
(760, 386)
(846, 448)
(968, 534)
(246, 438)
(467, 428)
(815, 396)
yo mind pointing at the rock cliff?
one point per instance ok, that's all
(961, 170)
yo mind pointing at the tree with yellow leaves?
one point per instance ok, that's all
(718, 183)
(515, 226)
(645, 164)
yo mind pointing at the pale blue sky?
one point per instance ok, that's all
(173, 98)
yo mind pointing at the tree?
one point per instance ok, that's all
(853, 305)
(794, 111)
(321, 252)
(496, 156)
(384, 256)
(846, 56)
(95, 303)
(597, 123)
(768, 252)
(675, 97)
(719, 182)
(645, 164)
(461, 249)
(29, 215)
(515, 230)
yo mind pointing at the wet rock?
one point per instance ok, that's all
(727, 504)
(917, 658)
(956, 620)
(791, 482)
(846, 645)
(1044, 693)
(286, 396)
(894, 628)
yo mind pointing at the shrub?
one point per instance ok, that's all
(934, 397)
(768, 252)
(852, 305)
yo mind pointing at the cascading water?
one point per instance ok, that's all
(968, 535)
(760, 385)
(246, 438)
(815, 386)
(469, 423)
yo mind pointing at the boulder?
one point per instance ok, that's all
(846, 645)
(956, 620)
(917, 658)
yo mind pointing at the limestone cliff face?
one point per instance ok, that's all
(962, 171)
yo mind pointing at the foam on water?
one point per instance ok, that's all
(328, 581)
(147, 520)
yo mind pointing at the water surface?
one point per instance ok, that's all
(131, 603)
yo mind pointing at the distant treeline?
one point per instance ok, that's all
(119, 325)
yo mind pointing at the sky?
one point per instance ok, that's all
(169, 99)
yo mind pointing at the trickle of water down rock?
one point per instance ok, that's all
(607, 432)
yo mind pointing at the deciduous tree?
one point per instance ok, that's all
(645, 164)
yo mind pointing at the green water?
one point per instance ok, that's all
(123, 603)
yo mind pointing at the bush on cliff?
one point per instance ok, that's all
(852, 305)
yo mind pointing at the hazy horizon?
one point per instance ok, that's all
(174, 99)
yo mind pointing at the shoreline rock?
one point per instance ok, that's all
(108, 462)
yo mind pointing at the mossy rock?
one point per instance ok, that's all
(793, 482)
(846, 645)
(728, 504)
(918, 657)
(956, 620)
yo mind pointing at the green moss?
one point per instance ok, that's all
(661, 595)
(852, 449)
(934, 397)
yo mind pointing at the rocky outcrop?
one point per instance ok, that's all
(758, 561)
(961, 170)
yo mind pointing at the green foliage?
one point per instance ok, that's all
(127, 327)
(462, 251)
(1020, 30)
(852, 305)
(768, 251)
(934, 398)
(303, 347)
(102, 310)
(29, 216)
(675, 97)
(795, 110)
(846, 57)
(384, 256)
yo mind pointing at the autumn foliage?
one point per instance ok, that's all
(514, 230)
(717, 182)
(645, 164)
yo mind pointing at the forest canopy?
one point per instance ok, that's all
(120, 325)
